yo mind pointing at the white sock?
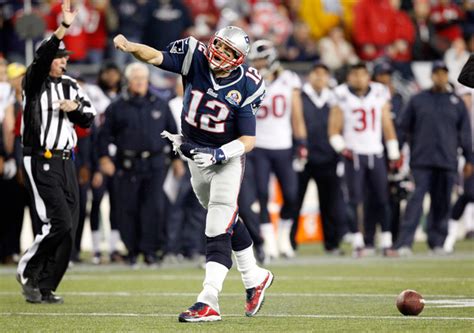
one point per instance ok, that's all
(468, 217)
(269, 244)
(284, 244)
(114, 239)
(386, 240)
(357, 240)
(451, 237)
(96, 241)
(215, 276)
(252, 275)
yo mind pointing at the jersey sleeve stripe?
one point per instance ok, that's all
(189, 56)
(258, 93)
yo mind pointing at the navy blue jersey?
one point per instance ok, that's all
(215, 110)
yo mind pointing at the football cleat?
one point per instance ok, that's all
(30, 290)
(256, 296)
(199, 312)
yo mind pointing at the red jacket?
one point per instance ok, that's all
(76, 38)
(446, 20)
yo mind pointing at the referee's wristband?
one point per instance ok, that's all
(65, 25)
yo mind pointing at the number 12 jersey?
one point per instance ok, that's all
(215, 110)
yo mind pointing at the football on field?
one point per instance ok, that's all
(410, 303)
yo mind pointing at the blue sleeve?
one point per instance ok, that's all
(405, 122)
(246, 120)
(178, 56)
(465, 137)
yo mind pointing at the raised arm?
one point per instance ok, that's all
(140, 51)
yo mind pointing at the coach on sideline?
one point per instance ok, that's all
(54, 103)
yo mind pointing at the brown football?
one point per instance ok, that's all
(410, 303)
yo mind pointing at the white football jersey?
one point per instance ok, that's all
(363, 117)
(274, 129)
(7, 98)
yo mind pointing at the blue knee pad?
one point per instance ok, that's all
(240, 237)
(219, 249)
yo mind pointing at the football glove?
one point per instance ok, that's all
(205, 157)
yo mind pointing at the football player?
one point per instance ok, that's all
(280, 121)
(357, 121)
(221, 98)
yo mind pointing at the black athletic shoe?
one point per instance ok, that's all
(47, 297)
(30, 290)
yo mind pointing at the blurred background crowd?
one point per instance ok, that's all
(399, 38)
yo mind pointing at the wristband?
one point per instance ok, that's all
(393, 153)
(337, 143)
(233, 149)
(65, 25)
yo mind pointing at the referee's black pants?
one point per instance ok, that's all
(52, 185)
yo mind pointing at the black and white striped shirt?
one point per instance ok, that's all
(44, 125)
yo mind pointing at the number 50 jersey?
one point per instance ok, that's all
(215, 110)
(362, 117)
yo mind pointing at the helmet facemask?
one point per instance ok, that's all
(223, 60)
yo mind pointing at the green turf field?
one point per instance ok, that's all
(313, 293)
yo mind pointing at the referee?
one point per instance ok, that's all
(53, 104)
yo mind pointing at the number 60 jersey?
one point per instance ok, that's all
(362, 117)
(215, 110)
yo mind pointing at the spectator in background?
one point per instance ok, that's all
(425, 46)
(436, 124)
(17, 196)
(109, 83)
(76, 37)
(132, 16)
(322, 15)
(300, 46)
(446, 17)
(382, 29)
(468, 24)
(455, 58)
(96, 30)
(3, 70)
(336, 52)
(270, 21)
(233, 13)
(132, 122)
(205, 15)
(322, 159)
(167, 21)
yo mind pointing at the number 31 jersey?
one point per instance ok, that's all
(362, 117)
(274, 129)
(215, 110)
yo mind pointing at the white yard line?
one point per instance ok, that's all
(455, 298)
(199, 277)
(163, 315)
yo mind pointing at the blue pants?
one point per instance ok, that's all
(247, 196)
(464, 199)
(138, 205)
(439, 183)
(331, 203)
(185, 222)
(280, 163)
(367, 175)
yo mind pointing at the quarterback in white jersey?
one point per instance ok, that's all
(280, 122)
(361, 112)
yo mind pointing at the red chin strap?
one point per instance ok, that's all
(226, 64)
